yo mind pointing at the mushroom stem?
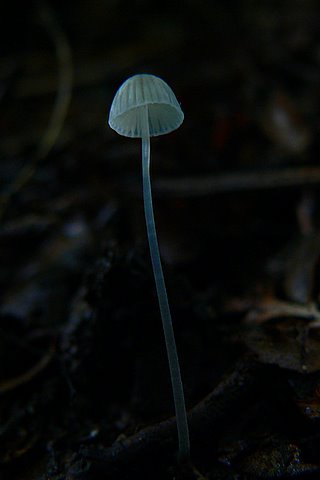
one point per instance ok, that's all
(177, 387)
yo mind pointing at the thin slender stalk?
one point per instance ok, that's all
(177, 387)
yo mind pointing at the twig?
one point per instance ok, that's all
(157, 441)
(60, 108)
(64, 89)
(235, 182)
(26, 377)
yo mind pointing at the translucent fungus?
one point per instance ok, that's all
(144, 107)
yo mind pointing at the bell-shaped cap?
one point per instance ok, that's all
(127, 113)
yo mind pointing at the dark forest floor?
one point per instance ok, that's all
(84, 384)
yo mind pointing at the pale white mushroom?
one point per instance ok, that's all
(144, 107)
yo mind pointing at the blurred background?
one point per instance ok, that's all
(236, 204)
(246, 77)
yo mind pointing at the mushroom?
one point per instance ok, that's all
(144, 107)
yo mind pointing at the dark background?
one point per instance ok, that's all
(82, 356)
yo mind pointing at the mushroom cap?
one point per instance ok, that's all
(127, 110)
